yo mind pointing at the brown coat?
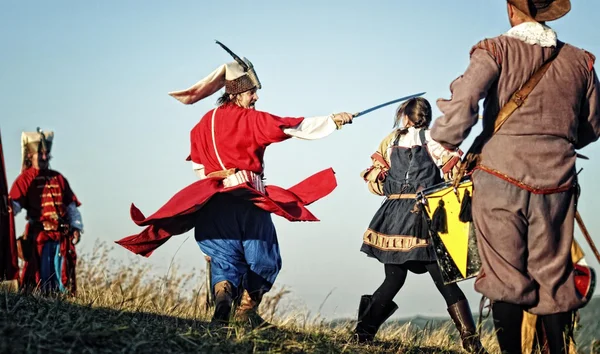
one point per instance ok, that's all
(535, 148)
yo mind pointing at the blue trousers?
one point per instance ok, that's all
(241, 241)
(51, 268)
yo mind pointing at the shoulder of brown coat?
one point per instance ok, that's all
(491, 46)
(591, 59)
(581, 56)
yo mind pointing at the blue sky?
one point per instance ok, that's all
(98, 73)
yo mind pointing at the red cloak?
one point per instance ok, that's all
(240, 136)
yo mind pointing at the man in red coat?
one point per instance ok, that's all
(54, 223)
(230, 207)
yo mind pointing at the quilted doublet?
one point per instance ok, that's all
(491, 47)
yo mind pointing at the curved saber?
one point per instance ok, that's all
(387, 104)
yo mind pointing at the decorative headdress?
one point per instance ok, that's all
(32, 142)
(237, 77)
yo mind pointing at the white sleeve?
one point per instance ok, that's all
(74, 217)
(199, 170)
(438, 153)
(312, 128)
(16, 207)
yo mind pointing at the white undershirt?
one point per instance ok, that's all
(312, 128)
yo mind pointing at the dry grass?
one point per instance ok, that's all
(121, 309)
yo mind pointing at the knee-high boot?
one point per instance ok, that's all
(508, 319)
(223, 302)
(370, 319)
(463, 320)
(558, 331)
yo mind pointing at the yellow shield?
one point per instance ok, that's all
(456, 249)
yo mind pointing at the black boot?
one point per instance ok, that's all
(558, 330)
(508, 319)
(369, 319)
(463, 320)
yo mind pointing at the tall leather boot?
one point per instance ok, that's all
(369, 320)
(463, 320)
(223, 302)
(558, 330)
(247, 310)
(508, 319)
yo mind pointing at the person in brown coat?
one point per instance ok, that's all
(524, 198)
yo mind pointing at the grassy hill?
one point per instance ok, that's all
(587, 330)
(119, 308)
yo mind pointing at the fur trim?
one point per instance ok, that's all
(534, 33)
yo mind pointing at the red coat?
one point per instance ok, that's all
(241, 137)
(45, 194)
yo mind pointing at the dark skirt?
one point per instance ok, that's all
(398, 234)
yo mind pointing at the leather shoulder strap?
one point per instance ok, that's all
(519, 97)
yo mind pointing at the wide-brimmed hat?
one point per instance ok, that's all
(543, 10)
(237, 77)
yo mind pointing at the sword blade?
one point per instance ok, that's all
(210, 298)
(587, 235)
(387, 104)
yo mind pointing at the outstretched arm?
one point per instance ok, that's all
(318, 127)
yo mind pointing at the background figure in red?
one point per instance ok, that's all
(54, 224)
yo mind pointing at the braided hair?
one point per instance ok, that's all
(418, 111)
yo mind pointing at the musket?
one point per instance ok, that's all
(386, 104)
(587, 236)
